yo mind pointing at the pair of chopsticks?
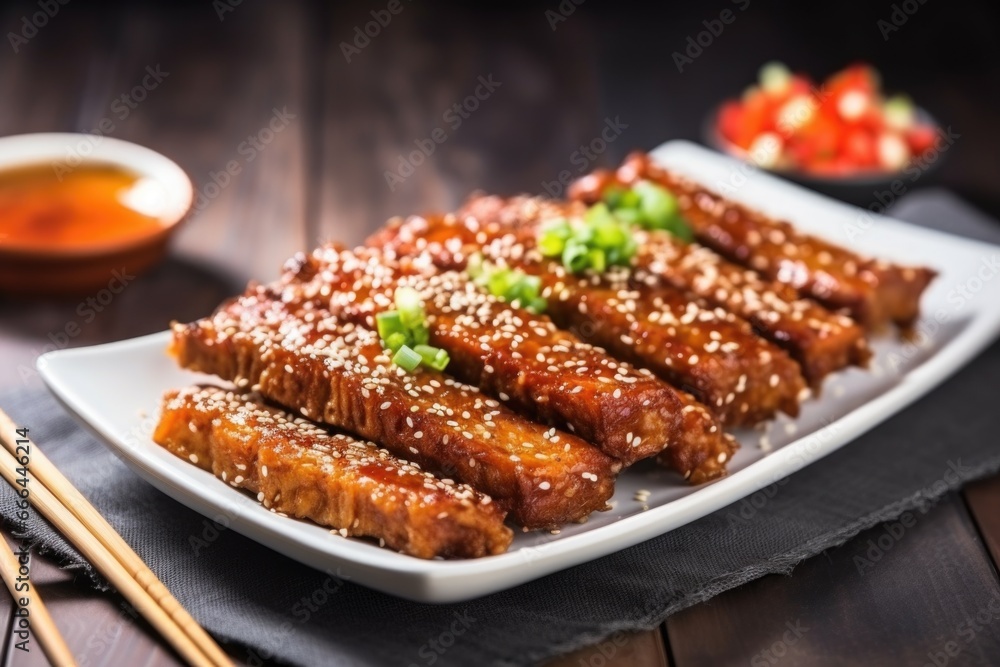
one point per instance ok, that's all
(76, 519)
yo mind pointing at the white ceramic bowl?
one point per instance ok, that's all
(63, 271)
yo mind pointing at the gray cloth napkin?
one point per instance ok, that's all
(243, 592)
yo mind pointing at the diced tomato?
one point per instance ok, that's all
(731, 122)
(819, 139)
(921, 138)
(839, 127)
(859, 148)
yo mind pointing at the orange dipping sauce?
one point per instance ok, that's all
(94, 206)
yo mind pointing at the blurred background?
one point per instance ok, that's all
(321, 120)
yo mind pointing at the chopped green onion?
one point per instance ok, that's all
(613, 195)
(609, 235)
(553, 236)
(647, 205)
(618, 197)
(502, 282)
(679, 228)
(598, 214)
(406, 358)
(420, 334)
(630, 200)
(536, 305)
(389, 323)
(405, 333)
(657, 205)
(511, 285)
(410, 306)
(574, 257)
(603, 238)
(530, 286)
(597, 259)
(432, 357)
(395, 341)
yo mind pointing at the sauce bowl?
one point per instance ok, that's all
(73, 270)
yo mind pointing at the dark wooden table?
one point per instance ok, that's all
(348, 114)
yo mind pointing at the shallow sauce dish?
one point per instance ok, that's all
(77, 208)
(122, 408)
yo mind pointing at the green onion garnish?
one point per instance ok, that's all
(656, 204)
(395, 341)
(406, 358)
(553, 236)
(510, 285)
(601, 240)
(433, 357)
(649, 206)
(405, 333)
(389, 323)
(410, 307)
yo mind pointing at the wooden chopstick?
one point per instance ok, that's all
(41, 623)
(67, 509)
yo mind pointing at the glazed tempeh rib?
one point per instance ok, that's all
(876, 293)
(523, 359)
(301, 470)
(705, 351)
(821, 341)
(338, 374)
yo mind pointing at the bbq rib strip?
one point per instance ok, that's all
(301, 470)
(821, 341)
(706, 351)
(876, 293)
(522, 359)
(336, 373)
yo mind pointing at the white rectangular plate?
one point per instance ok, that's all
(116, 390)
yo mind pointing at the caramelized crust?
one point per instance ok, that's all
(821, 341)
(296, 468)
(518, 357)
(706, 351)
(876, 293)
(338, 374)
